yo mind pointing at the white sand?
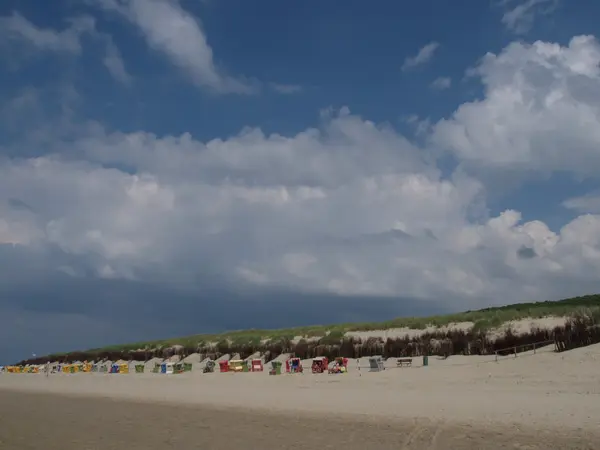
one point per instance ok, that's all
(281, 358)
(149, 365)
(255, 355)
(394, 333)
(193, 358)
(545, 389)
(201, 365)
(225, 357)
(524, 326)
(519, 327)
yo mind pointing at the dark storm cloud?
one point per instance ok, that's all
(45, 310)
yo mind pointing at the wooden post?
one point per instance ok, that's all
(534, 348)
(515, 351)
(496, 352)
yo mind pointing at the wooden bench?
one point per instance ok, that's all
(404, 362)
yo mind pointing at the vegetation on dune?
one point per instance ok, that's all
(332, 341)
(483, 319)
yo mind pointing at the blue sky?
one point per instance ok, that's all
(340, 56)
(281, 154)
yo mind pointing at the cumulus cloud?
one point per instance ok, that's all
(168, 28)
(520, 15)
(441, 83)
(16, 29)
(312, 212)
(423, 56)
(540, 111)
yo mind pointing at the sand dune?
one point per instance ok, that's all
(518, 327)
(534, 398)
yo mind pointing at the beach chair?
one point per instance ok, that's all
(209, 367)
(376, 364)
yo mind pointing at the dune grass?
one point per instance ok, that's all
(483, 320)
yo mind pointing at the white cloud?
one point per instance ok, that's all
(424, 55)
(421, 126)
(17, 29)
(521, 15)
(349, 207)
(115, 65)
(589, 203)
(301, 207)
(286, 88)
(168, 28)
(540, 111)
(325, 216)
(441, 83)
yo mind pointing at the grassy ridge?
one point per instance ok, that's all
(483, 319)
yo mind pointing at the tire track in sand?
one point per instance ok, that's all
(412, 439)
(423, 436)
(438, 430)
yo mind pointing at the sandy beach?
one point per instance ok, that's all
(541, 401)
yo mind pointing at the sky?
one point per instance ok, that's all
(172, 167)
